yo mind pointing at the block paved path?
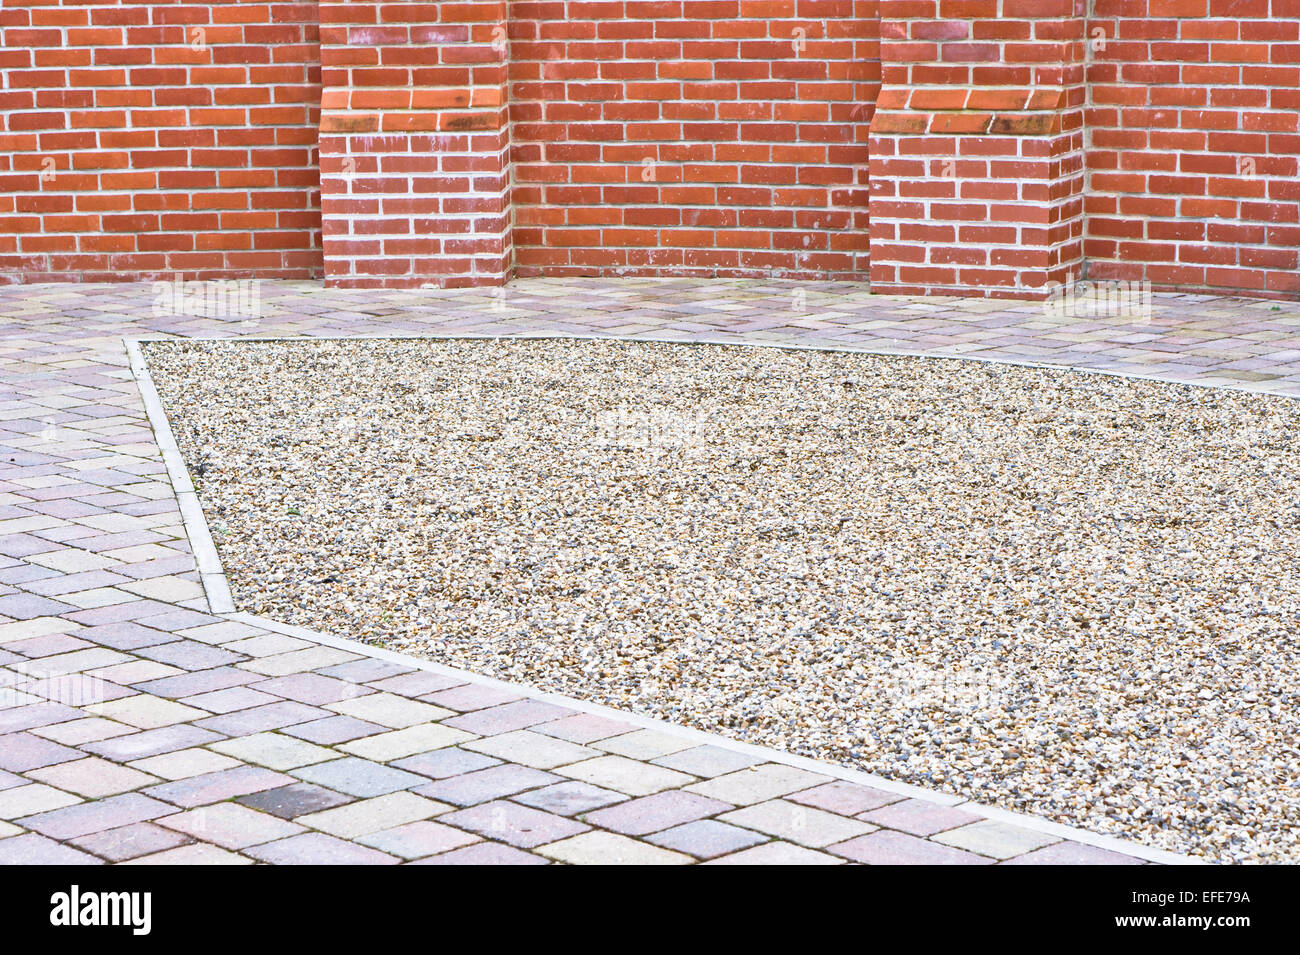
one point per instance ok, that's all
(136, 725)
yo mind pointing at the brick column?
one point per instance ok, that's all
(415, 172)
(977, 147)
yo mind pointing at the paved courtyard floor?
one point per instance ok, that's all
(140, 724)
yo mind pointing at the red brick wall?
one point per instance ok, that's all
(713, 137)
(142, 139)
(984, 147)
(1193, 143)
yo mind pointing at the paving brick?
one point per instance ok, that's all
(397, 744)
(312, 688)
(638, 817)
(487, 784)
(706, 838)
(258, 719)
(196, 853)
(645, 744)
(373, 815)
(707, 761)
(845, 798)
(19, 801)
(531, 749)
(568, 798)
(795, 823)
(20, 752)
(758, 784)
(215, 787)
(34, 849)
(608, 848)
(230, 825)
(516, 825)
(1071, 853)
(449, 761)
(919, 817)
(129, 842)
(776, 853)
(151, 742)
(625, 775)
(315, 848)
(92, 777)
(296, 799)
(887, 847)
(358, 777)
(584, 728)
(418, 839)
(273, 750)
(998, 840)
(484, 853)
(146, 711)
(184, 763)
(510, 716)
(87, 817)
(333, 729)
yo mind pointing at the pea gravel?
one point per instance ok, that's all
(1062, 593)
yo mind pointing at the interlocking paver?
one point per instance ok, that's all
(795, 823)
(359, 777)
(87, 817)
(919, 817)
(214, 787)
(484, 853)
(707, 761)
(372, 815)
(887, 847)
(388, 709)
(531, 749)
(517, 825)
(184, 763)
(418, 839)
(296, 799)
(608, 848)
(20, 752)
(97, 577)
(33, 849)
(486, 784)
(19, 801)
(625, 775)
(449, 761)
(230, 825)
(706, 838)
(996, 839)
(776, 853)
(845, 798)
(638, 817)
(569, 798)
(405, 742)
(758, 783)
(92, 777)
(130, 842)
(1073, 853)
(316, 848)
(273, 750)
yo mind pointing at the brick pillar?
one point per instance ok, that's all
(977, 147)
(415, 171)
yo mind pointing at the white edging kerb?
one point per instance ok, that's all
(196, 526)
(219, 599)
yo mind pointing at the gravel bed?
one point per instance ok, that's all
(1062, 593)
